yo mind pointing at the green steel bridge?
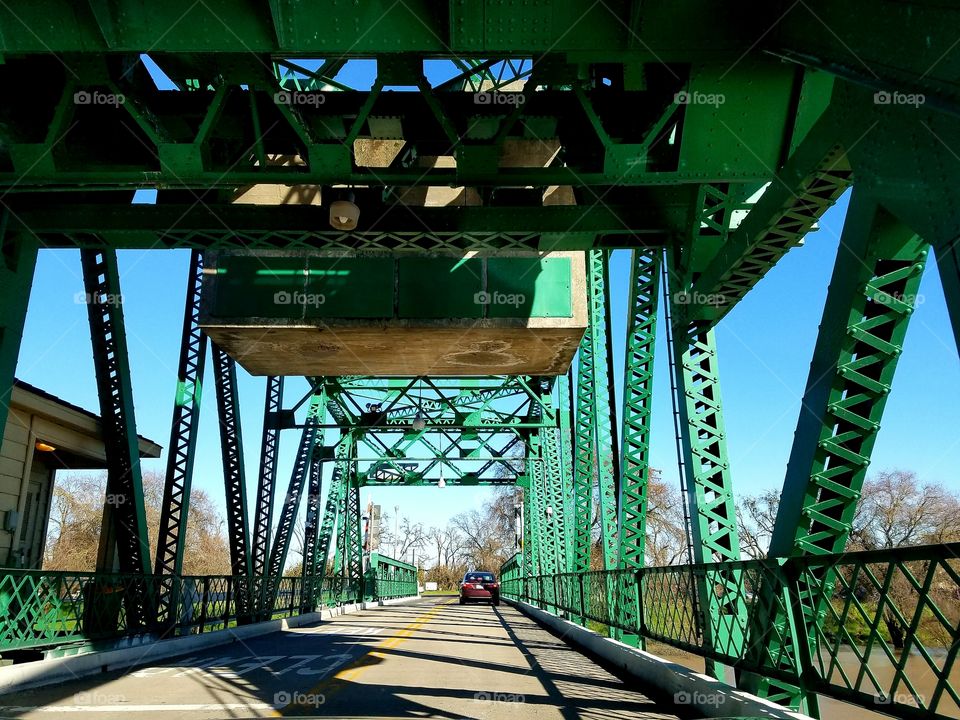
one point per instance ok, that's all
(705, 138)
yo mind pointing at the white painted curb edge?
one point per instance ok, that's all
(64, 669)
(709, 696)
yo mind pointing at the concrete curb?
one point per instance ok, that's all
(708, 696)
(63, 669)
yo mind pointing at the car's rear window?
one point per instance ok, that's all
(480, 577)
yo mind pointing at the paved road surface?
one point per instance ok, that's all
(425, 659)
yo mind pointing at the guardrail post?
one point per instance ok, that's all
(203, 604)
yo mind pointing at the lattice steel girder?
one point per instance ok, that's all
(311, 531)
(637, 405)
(17, 262)
(291, 501)
(106, 127)
(269, 449)
(175, 509)
(713, 523)
(474, 431)
(585, 458)
(603, 415)
(665, 33)
(567, 459)
(123, 534)
(804, 188)
(330, 512)
(231, 446)
(653, 213)
(872, 295)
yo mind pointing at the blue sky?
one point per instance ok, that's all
(765, 347)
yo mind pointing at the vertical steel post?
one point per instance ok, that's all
(18, 260)
(637, 407)
(123, 536)
(183, 443)
(269, 449)
(603, 413)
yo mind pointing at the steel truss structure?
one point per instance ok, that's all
(706, 140)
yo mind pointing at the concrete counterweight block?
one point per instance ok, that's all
(396, 315)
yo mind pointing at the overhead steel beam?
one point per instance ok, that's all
(652, 214)
(455, 29)
(809, 183)
(895, 47)
(181, 451)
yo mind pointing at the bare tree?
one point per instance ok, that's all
(76, 514)
(756, 516)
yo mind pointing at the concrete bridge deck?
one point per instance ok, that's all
(429, 658)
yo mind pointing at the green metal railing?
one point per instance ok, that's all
(388, 578)
(886, 638)
(40, 609)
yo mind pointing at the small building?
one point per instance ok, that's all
(43, 434)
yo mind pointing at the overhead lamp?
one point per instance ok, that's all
(549, 511)
(344, 214)
(44, 447)
(441, 483)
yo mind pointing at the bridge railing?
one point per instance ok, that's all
(42, 609)
(879, 629)
(388, 578)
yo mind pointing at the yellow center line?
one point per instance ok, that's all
(331, 685)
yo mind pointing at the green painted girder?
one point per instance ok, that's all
(267, 477)
(804, 188)
(231, 442)
(713, 523)
(585, 457)
(567, 458)
(637, 405)
(896, 47)
(175, 508)
(238, 132)
(652, 215)
(664, 33)
(17, 263)
(123, 535)
(603, 415)
(872, 295)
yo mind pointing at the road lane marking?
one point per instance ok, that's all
(351, 672)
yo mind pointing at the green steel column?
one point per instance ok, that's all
(181, 451)
(564, 410)
(637, 406)
(871, 298)
(17, 263)
(603, 414)
(713, 520)
(123, 534)
(585, 458)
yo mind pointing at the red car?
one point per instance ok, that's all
(480, 586)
